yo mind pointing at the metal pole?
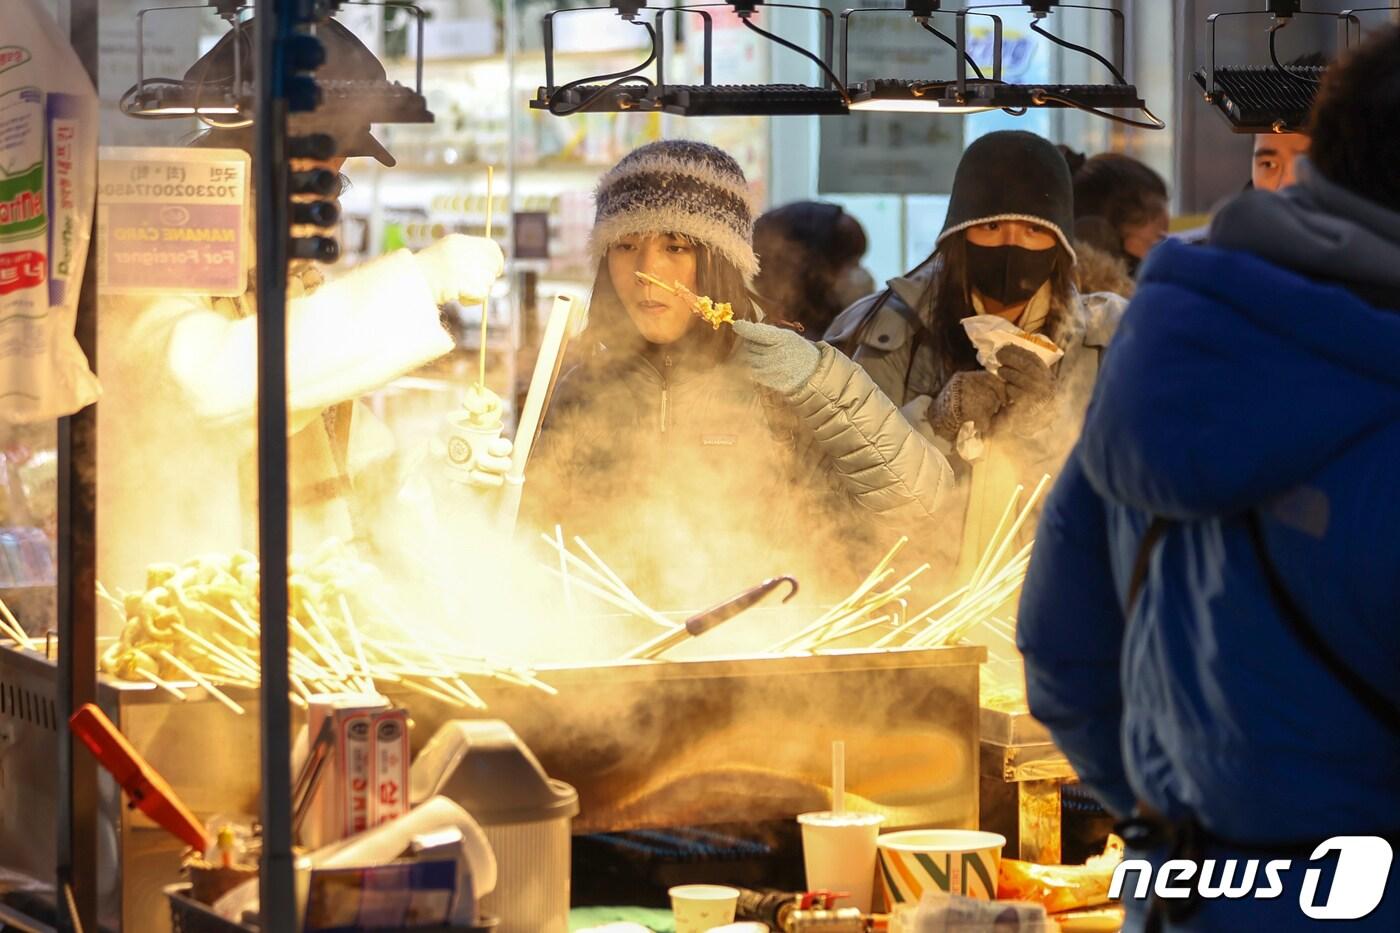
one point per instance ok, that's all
(76, 869)
(273, 24)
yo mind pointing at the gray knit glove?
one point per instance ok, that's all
(1030, 388)
(974, 396)
(779, 359)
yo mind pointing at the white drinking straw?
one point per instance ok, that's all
(838, 777)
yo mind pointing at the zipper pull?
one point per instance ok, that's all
(665, 392)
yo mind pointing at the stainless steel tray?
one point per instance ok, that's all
(1020, 728)
(645, 743)
(735, 740)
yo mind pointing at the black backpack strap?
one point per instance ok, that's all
(910, 316)
(1368, 696)
(1143, 562)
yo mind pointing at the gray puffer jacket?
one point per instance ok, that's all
(699, 483)
(884, 331)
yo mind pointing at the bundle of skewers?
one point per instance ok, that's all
(877, 613)
(986, 601)
(199, 622)
(877, 605)
(10, 628)
(587, 573)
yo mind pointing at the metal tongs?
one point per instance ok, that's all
(702, 622)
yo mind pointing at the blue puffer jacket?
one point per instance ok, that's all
(1233, 385)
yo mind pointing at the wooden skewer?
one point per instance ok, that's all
(113, 601)
(921, 617)
(837, 628)
(568, 559)
(430, 692)
(836, 612)
(238, 651)
(606, 596)
(607, 571)
(233, 662)
(996, 535)
(1008, 579)
(490, 204)
(203, 681)
(456, 687)
(619, 594)
(248, 619)
(564, 572)
(884, 564)
(299, 686)
(356, 642)
(1015, 529)
(344, 667)
(525, 679)
(444, 679)
(306, 636)
(653, 280)
(902, 587)
(14, 629)
(165, 685)
(1002, 633)
(998, 591)
(840, 636)
(239, 627)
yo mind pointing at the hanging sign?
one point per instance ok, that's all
(173, 221)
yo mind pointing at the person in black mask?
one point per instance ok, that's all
(1004, 250)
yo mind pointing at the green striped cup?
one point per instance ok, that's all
(959, 861)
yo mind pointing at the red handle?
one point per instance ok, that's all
(147, 789)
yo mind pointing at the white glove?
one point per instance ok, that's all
(461, 268)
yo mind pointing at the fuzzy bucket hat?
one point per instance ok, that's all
(678, 186)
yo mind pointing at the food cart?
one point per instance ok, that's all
(733, 739)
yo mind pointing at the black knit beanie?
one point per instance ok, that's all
(678, 186)
(1012, 175)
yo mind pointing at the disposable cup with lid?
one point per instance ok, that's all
(838, 851)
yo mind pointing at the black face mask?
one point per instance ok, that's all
(1008, 274)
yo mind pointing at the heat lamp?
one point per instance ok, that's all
(1272, 98)
(227, 103)
(633, 90)
(894, 95)
(1096, 99)
(1348, 19)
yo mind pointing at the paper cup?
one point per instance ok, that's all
(959, 861)
(839, 854)
(702, 907)
(466, 445)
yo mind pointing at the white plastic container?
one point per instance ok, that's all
(485, 767)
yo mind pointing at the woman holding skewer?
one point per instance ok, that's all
(701, 454)
(1005, 252)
